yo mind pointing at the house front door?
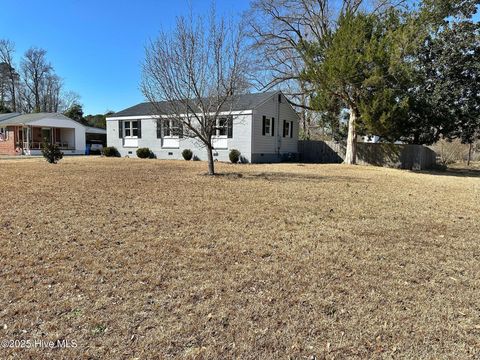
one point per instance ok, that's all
(47, 135)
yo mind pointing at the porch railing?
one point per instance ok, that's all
(35, 145)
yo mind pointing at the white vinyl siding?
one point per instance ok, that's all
(241, 140)
(277, 143)
(290, 142)
(246, 131)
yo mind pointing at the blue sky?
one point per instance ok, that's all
(97, 46)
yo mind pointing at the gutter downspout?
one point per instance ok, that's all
(278, 139)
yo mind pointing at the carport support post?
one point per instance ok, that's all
(28, 138)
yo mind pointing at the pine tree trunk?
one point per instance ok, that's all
(469, 158)
(211, 164)
(351, 155)
(304, 122)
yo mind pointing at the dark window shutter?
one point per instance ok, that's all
(230, 127)
(291, 129)
(279, 98)
(120, 129)
(273, 126)
(139, 122)
(180, 129)
(159, 129)
(263, 124)
(284, 125)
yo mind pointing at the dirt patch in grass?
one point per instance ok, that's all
(151, 259)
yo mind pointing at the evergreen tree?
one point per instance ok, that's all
(360, 66)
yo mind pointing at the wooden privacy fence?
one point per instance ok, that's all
(413, 157)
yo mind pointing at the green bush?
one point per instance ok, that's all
(234, 156)
(111, 151)
(187, 154)
(145, 153)
(51, 153)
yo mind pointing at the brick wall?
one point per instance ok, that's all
(7, 147)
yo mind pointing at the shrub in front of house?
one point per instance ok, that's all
(187, 154)
(111, 151)
(145, 153)
(234, 156)
(51, 153)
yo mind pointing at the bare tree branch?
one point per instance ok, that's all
(192, 76)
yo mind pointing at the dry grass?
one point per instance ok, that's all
(150, 259)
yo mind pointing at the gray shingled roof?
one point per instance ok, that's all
(4, 117)
(238, 103)
(27, 118)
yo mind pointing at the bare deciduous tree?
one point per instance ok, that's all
(68, 99)
(37, 87)
(51, 93)
(193, 74)
(11, 77)
(278, 28)
(35, 70)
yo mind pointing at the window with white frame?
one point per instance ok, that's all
(268, 126)
(166, 128)
(3, 134)
(267, 129)
(130, 129)
(170, 131)
(172, 128)
(222, 126)
(287, 128)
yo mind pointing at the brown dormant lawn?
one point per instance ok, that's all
(152, 259)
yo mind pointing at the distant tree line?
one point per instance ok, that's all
(75, 112)
(32, 85)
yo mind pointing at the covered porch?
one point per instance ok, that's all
(31, 138)
(24, 134)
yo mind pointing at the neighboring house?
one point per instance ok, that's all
(373, 139)
(25, 134)
(262, 126)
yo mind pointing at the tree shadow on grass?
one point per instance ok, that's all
(286, 177)
(460, 172)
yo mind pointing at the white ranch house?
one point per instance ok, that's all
(263, 127)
